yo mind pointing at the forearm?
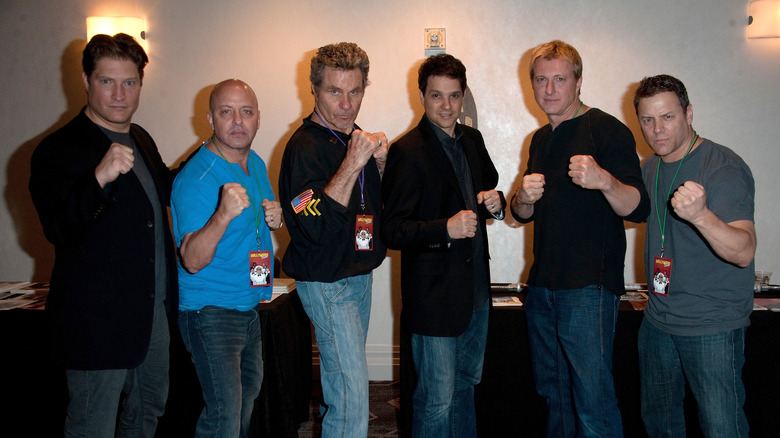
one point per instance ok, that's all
(734, 242)
(621, 197)
(340, 186)
(521, 209)
(198, 248)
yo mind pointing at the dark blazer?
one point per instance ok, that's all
(101, 302)
(420, 193)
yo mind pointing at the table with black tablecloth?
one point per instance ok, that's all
(508, 405)
(34, 393)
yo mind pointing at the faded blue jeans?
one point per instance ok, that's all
(572, 334)
(226, 349)
(95, 394)
(712, 366)
(447, 370)
(340, 312)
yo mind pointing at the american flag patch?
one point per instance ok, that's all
(300, 201)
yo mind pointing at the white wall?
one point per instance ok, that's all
(732, 83)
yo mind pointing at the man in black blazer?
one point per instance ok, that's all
(438, 192)
(101, 189)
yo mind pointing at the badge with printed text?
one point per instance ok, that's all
(662, 275)
(260, 268)
(364, 233)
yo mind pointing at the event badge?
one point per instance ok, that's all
(364, 233)
(662, 275)
(260, 268)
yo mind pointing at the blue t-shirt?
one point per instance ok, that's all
(225, 282)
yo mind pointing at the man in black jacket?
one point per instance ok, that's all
(101, 190)
(438, 192)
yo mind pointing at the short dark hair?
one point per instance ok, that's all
(650, 86)
(441, 65)
(343, 56)
(120, 46)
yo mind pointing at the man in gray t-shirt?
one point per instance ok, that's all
(699, 250)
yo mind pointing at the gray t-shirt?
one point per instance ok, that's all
(706, 295)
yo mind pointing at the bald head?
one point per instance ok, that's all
(229, 85)
(234, 116)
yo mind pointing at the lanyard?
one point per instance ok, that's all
(260, 188)
(662, 225)
(578, 110)
(362, 176)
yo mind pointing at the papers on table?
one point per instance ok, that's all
(283, 285)
(23, 294)
(507, 300)
(772, 304)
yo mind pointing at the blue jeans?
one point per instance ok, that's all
(340, 312)
(571, 334)
(712, 366)
(447, 370)
(95, 394)
(226, 349)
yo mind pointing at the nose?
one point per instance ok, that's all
(445, 103)
(118, 92)
(656, 127)
(237, 120)
(549, 88)
(345, 103)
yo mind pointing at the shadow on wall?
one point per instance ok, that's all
(644, 151)
(17, 195)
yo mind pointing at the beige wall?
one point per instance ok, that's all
(732, 83)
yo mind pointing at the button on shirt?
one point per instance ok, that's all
(454, 149)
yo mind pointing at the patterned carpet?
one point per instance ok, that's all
(383, 408)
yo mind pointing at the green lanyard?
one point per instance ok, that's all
(578, 110)
(251, 200)
(662, 225)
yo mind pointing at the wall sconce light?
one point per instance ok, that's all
(133, 26)
(764, 19)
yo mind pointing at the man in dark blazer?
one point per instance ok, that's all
(101, 189)
(438, 192)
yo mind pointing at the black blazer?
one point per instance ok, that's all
(101, 301)
(420, 193)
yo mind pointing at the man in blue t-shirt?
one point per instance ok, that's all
(223, 210)
(699, 249)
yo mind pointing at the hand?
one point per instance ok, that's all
(531, 189)
(117, 161)
(689, 201)
(363, 145)
(233, 200)
(463, 225)
(273, 214)
(380, 154)
(586, 173)
(491, 199)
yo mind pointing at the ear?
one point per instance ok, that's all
(85, 79)
(422, 98)
(689, 114)
(210, 118)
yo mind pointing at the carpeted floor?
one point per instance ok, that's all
(383, 408)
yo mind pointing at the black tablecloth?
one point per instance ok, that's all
(34, 393)
(508, 405)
